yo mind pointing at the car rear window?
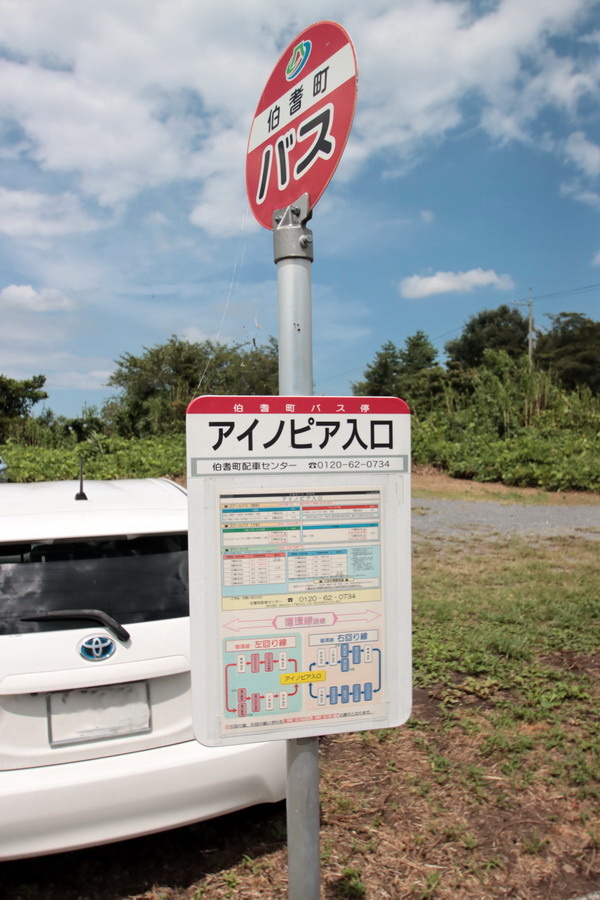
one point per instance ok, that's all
(137, 579)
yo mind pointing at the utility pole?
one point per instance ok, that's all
(529, 304)
(530, 338)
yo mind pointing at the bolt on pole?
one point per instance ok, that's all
(293, 255)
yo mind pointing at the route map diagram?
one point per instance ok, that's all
(304, 570)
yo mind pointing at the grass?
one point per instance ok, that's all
(489, 791)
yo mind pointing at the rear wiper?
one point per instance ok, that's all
(96, 615)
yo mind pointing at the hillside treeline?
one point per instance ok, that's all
(503, 406)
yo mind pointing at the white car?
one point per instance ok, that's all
(96, 739)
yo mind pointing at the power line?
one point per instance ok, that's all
(578, 290)
(525, 301)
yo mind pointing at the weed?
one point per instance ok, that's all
(492, 863)
(533, 844)
(351, 885)
(254, 865)
(430, 885)
(343, 803)
(469, 841)
(326, 851)
(232, 881)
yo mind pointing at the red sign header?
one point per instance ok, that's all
(251, 405)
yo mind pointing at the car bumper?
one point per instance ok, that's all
(52, 809)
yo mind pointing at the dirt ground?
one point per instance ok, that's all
(430, 482)
(406, 814)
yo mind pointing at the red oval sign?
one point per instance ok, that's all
(302, 121)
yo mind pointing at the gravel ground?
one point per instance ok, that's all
(489, 519)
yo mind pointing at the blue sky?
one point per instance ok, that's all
(471, 176)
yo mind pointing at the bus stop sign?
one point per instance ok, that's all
(302, 121)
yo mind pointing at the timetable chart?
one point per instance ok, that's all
(313, 512)
(253, 568)
(306, 547)
(317, 563)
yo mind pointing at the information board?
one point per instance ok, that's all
(299, 548)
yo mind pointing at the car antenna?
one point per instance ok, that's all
(81, 495)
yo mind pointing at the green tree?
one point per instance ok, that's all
(418, 353)
(156, 387)
(421, 381)
(570, 350)
(410, 372)
(381, 375)
(17, 398)
(492, 329)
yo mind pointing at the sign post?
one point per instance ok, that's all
(300, 504)
(293, 256)
(298, 135)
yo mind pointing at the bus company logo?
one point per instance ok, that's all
(298, 59)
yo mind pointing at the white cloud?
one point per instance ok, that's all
(582, 194)
(221, 205)
(133, 95)
(83, 378)
(23, 336)
(596, 258)
(427, 216)
(421, 62)
(157, 218)
(62, 369)
(25, 297)
(129, 96)
(583, 153)
(418, 286)
(32, 214)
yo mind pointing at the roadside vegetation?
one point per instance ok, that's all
(491, 413)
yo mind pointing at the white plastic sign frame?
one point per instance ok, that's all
(300, 566)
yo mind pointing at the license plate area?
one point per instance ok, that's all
(99, 713)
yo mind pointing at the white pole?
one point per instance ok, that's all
(294, 291)
(293, 257)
